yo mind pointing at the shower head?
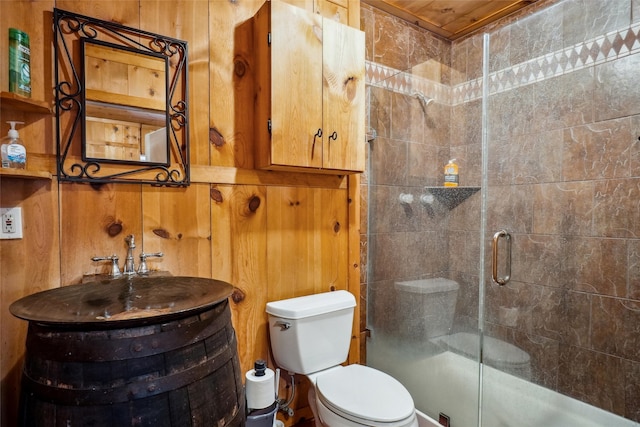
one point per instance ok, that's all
(424, 100)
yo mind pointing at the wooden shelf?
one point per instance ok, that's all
(452, 196)
(24, 174)
(12, 101)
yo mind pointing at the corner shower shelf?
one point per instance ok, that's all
(452, 196)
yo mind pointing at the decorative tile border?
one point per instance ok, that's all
(386, 77)
(609, 47)
(406, 83)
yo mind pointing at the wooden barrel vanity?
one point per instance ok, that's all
(132, 351)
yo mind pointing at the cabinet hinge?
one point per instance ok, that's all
(269, 38)
(269, 126)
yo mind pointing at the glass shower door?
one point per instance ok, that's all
(423, 240)
(562, 178)
(543, 116)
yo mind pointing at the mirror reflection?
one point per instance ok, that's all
(125, 104)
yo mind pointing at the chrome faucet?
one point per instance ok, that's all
(129, 266)
(115, 269)
(142, 267)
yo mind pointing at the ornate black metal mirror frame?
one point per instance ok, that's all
(69, 31)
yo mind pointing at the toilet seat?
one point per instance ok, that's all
(365, 396)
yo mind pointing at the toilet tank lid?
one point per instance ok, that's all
(427, 286)
(311, 305)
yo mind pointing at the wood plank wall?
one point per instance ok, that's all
(272, 235)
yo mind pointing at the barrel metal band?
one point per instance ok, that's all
(99, 345)
(132, 391)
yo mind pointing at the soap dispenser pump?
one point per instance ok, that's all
(13, 153)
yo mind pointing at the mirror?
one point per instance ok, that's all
(121, 103)
(125, 111)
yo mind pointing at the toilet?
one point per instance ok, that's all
(427, 308)
(311, 335)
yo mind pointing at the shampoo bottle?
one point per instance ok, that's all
(19, 63)
(451, 174)
(13, 153)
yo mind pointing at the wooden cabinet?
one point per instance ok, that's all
(310, 83)
(338, 10)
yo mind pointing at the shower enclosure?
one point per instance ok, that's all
(542, 114)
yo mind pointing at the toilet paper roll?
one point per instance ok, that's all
(260, 389)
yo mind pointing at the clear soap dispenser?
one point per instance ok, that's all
(13, 153)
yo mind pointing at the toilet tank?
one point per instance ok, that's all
(311, 333)
(426, 307)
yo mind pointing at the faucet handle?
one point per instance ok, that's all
(142, 267)
(129, 267)
(115, 269)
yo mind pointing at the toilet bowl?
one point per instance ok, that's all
(427, 308)
(357, 395)
(311, 336)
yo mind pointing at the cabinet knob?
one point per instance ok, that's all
(333, 136)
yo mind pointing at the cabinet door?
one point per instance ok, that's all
(310, 88)
(343, 97)
(296, 86)
(338, 10)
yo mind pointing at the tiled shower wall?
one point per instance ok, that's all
(563, 179)
(412, 142)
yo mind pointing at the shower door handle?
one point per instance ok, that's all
(496, 238)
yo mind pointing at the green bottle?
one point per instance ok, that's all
(19, 63)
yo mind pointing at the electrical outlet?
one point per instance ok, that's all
(11, 226)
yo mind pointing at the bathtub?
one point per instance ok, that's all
(425, 420)
(448, 383)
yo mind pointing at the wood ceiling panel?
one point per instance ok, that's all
(450, 19)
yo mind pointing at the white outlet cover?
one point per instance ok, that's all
(16, 217)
